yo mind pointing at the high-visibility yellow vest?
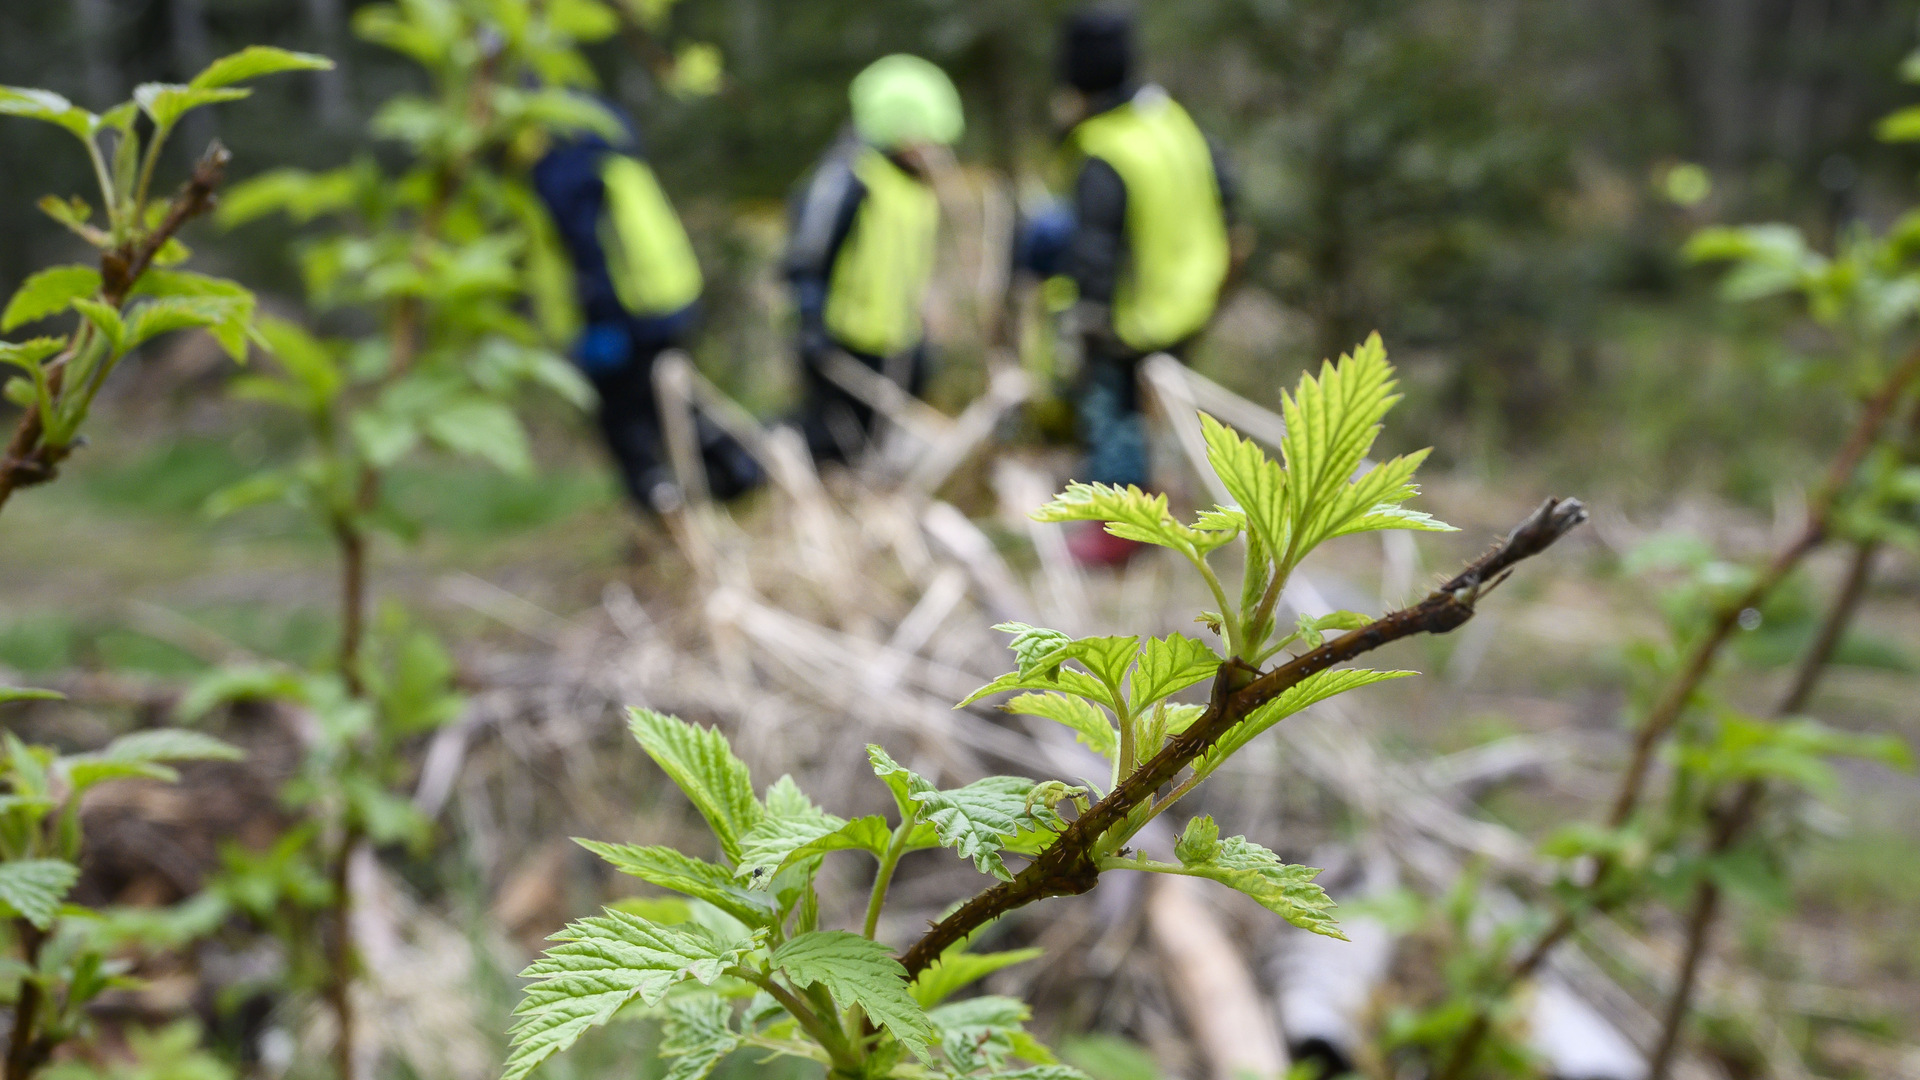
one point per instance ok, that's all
(648, 254)
(1176, 231)
(880, 275)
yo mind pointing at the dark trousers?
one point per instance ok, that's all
(1107, 414)
(629, 420)
(837, 424)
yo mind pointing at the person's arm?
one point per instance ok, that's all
(1099, 246)
(568, 182)
(822, 217)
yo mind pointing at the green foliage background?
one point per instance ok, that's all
(1475, 180)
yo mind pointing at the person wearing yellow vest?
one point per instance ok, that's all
(861, 247)
(638, 285)
(1148, 251)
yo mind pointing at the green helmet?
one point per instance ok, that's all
(902, 99)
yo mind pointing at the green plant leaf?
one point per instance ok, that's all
(1314, 688)
(27, 693)
(1039, 652)
(1256, 482)
(1169, 665)
(956, 969)
(144, 753)
(1286, 890)
(1064, 679)
(106, 319)
(697, 1035)
(791, 821)
(485, 429)
(777, 843)
(603, 964)
(226, 318)
(684, 874)
(249, 682)
(166, 103)
(1332, 422)
(1090, 725)
(254, 61)
(49, 106)
(49, 292)
(975, 820)
(701, 763)
(1129, 513)
(1199, 841)
(33, 888)
(858, 971)
(28, 355)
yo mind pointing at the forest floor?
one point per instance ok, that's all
(115, 569)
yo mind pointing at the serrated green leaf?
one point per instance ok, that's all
(703, 765)
(1332, 421)
(766, 851)
(1064, 679)
(1169, 665)
(1039, 652)
(604, 964)
(1036, 648)
(1199, 841)
(1314, 688)
(1129, 513)
(975, 820)
(1090, 725)
(1256, 482)
(977, 1034)
(956, 969)
(33, 888)
(858, 971)
(49, 292)
(684, 874)
(255, 61)
(1108, 658)
(1286, 890)
(791, 821)
(697, 1035)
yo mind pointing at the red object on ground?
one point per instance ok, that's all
(1091, 544)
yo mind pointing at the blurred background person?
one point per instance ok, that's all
(861, 247)
(1147, 249)
(638, 285)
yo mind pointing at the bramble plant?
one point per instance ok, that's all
(455, 262)
(1707, 832)
(60, 956)
(135, 293)
(752, 930)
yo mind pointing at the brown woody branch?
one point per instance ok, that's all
(1067, 866)
(27, 460)
(1866, 434)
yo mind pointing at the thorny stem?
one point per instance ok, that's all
(1673, 701)
(1678, 693)
(27, 459)
(1069, 866)
(1732, 821)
